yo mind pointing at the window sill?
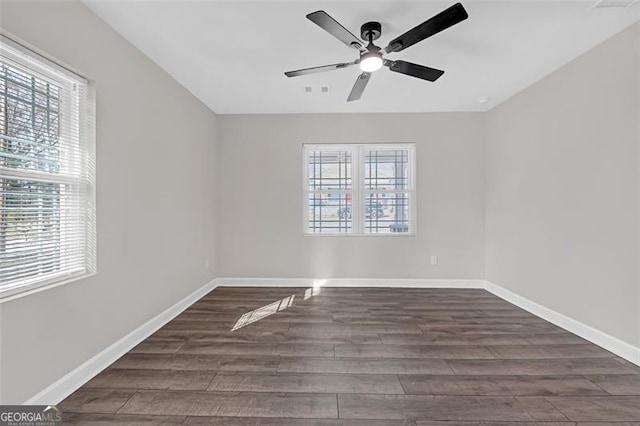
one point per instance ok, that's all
(55, 281)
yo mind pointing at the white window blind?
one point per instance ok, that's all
(47, 173)
(359, 189)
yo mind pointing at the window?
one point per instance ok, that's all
(359, 189)
(47, 208)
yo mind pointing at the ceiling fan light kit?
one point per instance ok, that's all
(371, 57)
(370, 61)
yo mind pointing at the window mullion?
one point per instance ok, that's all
(358, 190)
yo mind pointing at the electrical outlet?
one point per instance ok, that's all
(206, 264)
(434, 260)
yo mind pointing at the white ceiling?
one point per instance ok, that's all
(232, 55)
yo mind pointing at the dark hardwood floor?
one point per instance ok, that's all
(360, 357)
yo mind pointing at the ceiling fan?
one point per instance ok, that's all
(371, 57)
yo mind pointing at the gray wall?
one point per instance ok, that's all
(562, 190)
(260, 198)
(155, 195)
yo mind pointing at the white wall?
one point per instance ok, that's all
(155, 195)
(260, 198)
(562, 190)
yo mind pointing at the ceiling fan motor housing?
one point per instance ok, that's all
(371, 31)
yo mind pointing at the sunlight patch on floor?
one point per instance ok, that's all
(280, 305)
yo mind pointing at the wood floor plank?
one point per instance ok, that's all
(464, 320)
(428, 407)
(242, 334)
(152, 362)
(333, 337)
(412, 351)
(312, 329)
(515, 312)
(634, 367)
(225, 306)
(327, 310)
(499, 385)
(97, 419)
(549, 351)
(489, 329)
(152, 379)
(157, 347)
(87, 400)
(518, 367)
(368, 319)
(266, 337)
(453, 303)
(195, 315)
(223, 326)
(269, 349)
(565, 338)
(453, 340)
(619, 384)
(232, 404)
(364, 366)
(249, 421)
(197, 362)
(463, 423)
(597, 408)
(306, 383)
(420, 313)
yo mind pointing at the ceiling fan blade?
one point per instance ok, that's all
(414, 70)
(322, 68)
(443, 20)
(359, 87)
(333, 27)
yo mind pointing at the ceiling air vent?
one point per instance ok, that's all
(613, 4)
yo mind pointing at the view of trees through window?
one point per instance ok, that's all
(30, 209)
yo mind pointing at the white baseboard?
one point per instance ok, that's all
(66, 385)
(349, 282)
(612, 344)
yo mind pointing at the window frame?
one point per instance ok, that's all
(37, 64)
(358, 184)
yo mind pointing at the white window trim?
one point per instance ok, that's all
(358, 188)
(36, 60)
